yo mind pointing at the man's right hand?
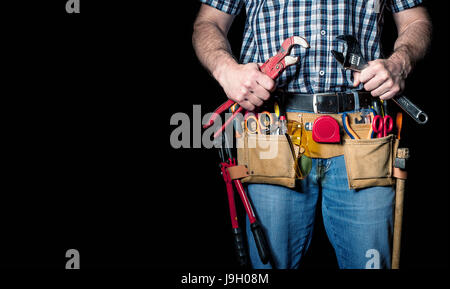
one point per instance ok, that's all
(245, 84)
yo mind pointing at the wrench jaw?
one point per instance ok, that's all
(290, 42)
(287, 46)
(300, 41)
(340, 58)
(290, 60)
(276, 64)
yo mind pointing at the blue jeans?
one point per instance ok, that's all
(358, 223)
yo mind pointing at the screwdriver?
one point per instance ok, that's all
(399, 123)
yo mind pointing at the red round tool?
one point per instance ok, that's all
(273, 67)
(326, 130)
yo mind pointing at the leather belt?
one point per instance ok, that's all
(329, 102)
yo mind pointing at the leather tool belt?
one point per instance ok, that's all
(329, 102)
(269, 158)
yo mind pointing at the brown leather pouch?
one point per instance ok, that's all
(269, 159)
(369, 162)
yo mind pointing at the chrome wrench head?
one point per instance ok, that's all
(287, 46)
(351, 58)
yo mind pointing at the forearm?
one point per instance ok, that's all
(242, 83)
(412, 44)
(212, 47)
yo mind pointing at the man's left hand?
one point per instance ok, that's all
(384, 78)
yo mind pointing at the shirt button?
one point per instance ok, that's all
(323, 32)
(321, 73)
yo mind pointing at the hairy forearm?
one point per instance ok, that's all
(245, 84)
(412, 44)
(212, 47)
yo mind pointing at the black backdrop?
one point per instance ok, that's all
(87, 160)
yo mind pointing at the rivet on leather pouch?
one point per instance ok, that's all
(326, 130)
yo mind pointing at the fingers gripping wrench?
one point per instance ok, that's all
(352, 59)
(273, 67)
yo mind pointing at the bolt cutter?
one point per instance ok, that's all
(352, 58)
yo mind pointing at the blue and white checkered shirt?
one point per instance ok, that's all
(269, 22)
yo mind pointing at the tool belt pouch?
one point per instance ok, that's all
(269, 159)
(369, 162)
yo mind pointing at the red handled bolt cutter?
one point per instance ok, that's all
(273, 68)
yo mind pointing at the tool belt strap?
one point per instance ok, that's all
(332, 102)
(238, 172)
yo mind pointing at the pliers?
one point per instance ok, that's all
(272, 67)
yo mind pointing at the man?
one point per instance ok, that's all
(356, 222)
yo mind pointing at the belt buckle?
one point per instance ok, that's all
(315, 104)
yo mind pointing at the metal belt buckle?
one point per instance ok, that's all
(315, 103)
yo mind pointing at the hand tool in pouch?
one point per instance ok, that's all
(237, 124)
(266, 122)
(381, 126)
(251, 123)
(352, 59)
(347, 128)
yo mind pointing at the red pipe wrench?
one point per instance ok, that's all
(273, 67)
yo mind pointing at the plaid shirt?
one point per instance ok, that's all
(269, 22)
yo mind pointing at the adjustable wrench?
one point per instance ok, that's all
(352, 59)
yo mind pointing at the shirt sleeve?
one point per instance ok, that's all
(400, 5)
(232, 7)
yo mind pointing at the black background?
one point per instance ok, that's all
(87, 161)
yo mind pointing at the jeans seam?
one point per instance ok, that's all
(330, 220)
(327, 166)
